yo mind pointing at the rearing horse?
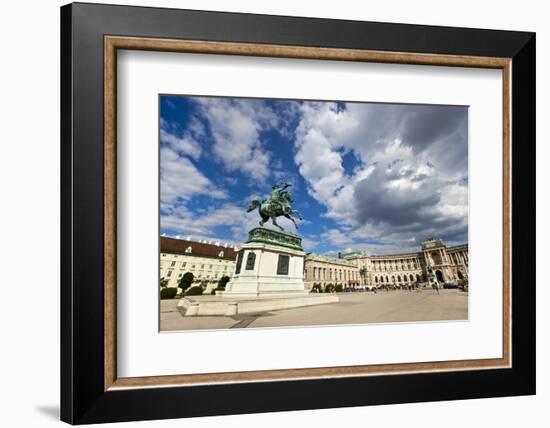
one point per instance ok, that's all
(269, 209)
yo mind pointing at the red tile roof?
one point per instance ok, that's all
(199, 249)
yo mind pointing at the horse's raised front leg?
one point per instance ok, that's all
(274, 220)
(297, 213)
(292, 220)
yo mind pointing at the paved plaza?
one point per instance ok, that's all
(353, 308)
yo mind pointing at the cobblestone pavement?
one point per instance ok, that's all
(353, 308)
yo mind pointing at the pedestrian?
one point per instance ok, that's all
(435, 287)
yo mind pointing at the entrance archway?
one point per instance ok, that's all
(439, 276)
(460, 276)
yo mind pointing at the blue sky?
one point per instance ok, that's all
(368, 177)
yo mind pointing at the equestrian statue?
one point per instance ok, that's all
(277, 205)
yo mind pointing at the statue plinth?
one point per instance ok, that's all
(275, 237)
(270, 263)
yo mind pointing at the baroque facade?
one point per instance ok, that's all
(330, 270)
(449, 264)
(207, 262)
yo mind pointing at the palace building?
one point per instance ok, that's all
(206, 261)
(330, 270)
(449, 264)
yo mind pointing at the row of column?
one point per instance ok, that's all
(328, 274)
(396, 264)
(443, 256)
(460, 258)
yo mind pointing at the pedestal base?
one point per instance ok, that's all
(226, 306)
(269, 264)
(268, 276)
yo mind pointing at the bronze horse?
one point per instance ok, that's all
(271, 209)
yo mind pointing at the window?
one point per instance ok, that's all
(169, 274)
(189, 249)
(239, 263)
(210, 267)
(183, 264)
(202, 266)
(173, 264)
(250, 260)
(282, 264)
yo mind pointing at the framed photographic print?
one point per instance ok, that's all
(276, 213)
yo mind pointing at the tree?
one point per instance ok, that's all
(163, 282)
(223, 281)
(186, 281)
(196, 290)
(168, 292)
(316, 288)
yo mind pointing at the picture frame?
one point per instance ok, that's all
(91, 391)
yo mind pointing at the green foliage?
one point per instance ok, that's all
(339, 288)
(163, 282)
(222, 282)
(194, 291)
(168, 292)
(186, 281)
(329, 288)
(316, 288)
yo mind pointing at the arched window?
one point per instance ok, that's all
(189, 249)
(398, 278)
(411, 277)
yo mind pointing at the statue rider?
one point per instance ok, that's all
(277, 193)
(278, 189)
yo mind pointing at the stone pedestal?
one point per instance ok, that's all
(268, 277)
(269, 264)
